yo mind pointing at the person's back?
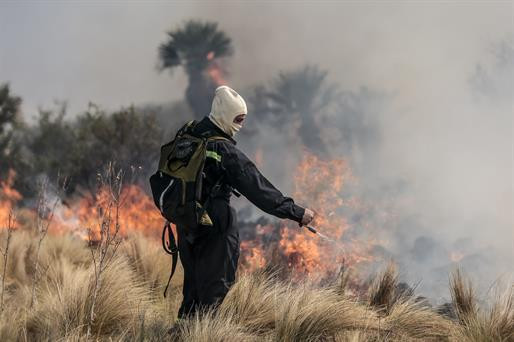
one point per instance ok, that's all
(209, 254)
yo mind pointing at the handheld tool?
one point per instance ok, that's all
(312, 229)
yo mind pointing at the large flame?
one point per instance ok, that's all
(136, 212)
(83, 216)
(318, 183)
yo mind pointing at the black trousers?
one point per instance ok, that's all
(209, 258)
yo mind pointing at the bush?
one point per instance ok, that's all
(78, 149)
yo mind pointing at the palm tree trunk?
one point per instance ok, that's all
(199, 93)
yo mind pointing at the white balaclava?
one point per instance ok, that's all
(226, 105)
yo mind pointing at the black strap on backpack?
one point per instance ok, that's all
(170, 247)
(168, 239)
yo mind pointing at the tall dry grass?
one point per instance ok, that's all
(495, 323)
(382, 294)
(129, 300)
(259, 307)
(315, 314)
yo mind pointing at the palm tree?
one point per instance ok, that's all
(195, 46)
(302, 95)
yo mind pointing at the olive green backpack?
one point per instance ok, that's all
(177, 184)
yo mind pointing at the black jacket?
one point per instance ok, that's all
(232, 169)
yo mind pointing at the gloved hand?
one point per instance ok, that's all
(308, 216)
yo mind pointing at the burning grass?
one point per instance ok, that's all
(49, 290)
(260, 307)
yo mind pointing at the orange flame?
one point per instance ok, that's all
(214, 70)
(136, 212)
(8, 197)
(252, 255)
(318, 184)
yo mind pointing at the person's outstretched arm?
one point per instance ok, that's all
(248, 180)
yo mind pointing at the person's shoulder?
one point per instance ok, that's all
(183, 126)
(224, 144)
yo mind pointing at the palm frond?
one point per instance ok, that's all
(191, 45)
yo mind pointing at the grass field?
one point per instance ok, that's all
(130, 305)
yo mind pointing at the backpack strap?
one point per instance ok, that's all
(171, 248)
(217, 137)
(186, 128)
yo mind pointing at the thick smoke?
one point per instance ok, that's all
(422, 106)
(423, 114)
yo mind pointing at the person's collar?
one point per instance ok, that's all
(218, 130)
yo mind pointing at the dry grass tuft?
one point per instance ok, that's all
(65, 300)
(343, 281)
(148, 261)
(210, 328)
(307, 313)
(463, 296)
(408, 319)
(252, 302)
(382, 292)
(494, 324)
(500, 319)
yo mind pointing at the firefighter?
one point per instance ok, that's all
(209, 256)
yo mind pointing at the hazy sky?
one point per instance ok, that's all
(87, 51)
(106, 52)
